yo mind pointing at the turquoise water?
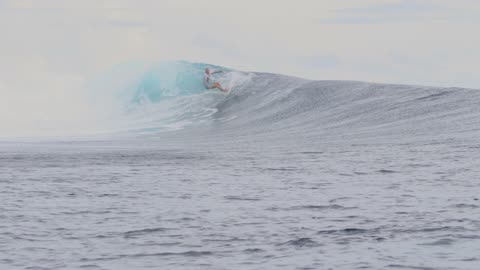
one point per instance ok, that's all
(153, 82)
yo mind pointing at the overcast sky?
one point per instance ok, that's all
(53, 43)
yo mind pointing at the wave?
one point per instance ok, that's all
(157, 99)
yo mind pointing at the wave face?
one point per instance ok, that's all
(168, 99)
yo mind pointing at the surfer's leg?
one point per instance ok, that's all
(217, 85)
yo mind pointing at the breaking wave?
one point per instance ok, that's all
(168, 100)
(169, 96)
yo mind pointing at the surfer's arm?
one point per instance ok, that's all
(216, 71)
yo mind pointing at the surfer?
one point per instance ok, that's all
(208, 84)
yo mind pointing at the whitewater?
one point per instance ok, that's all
(281, 173)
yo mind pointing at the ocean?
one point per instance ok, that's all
(282, 173)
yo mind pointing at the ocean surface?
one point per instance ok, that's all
(282, 173)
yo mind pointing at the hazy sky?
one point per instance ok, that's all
(48, 48)
(433, 42)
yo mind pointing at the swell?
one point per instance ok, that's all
(280, 106)
(168, 100)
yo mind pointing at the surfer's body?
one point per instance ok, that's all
(212, 85)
